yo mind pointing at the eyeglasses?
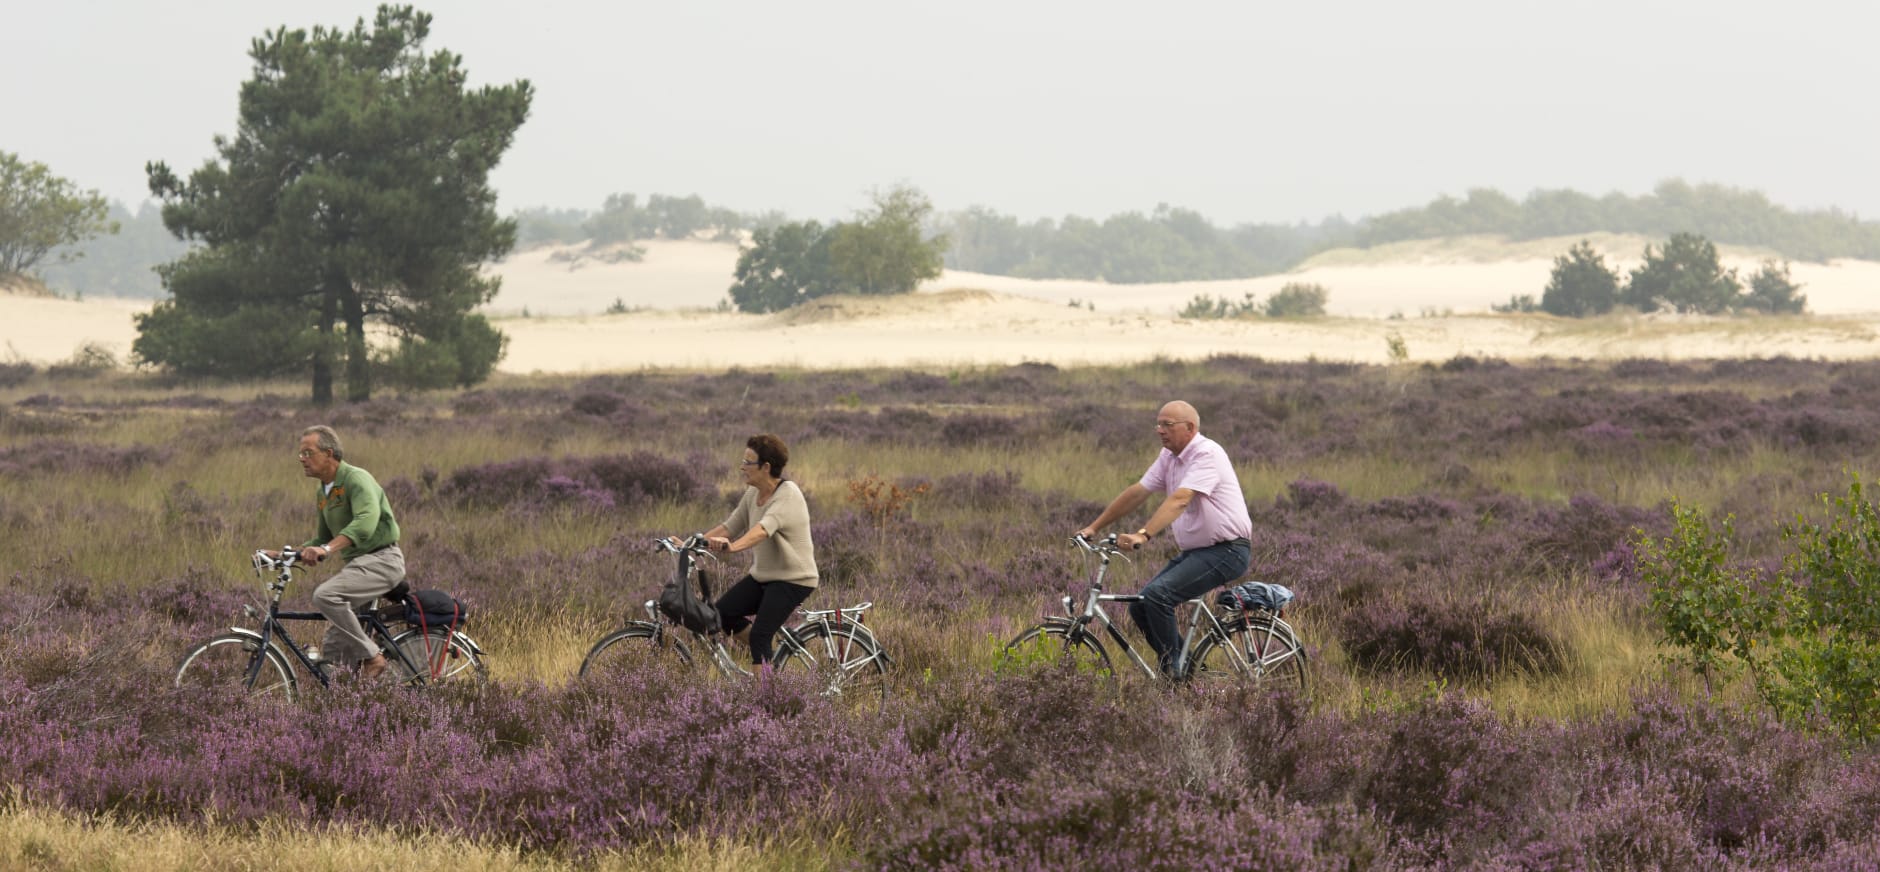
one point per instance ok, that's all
(307, 452)
(751, 463)
(1168, 425)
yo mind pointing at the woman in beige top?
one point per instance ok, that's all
(772, 521)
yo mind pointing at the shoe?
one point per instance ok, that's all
(373, 668)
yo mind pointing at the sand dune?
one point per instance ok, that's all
(1435, 296)
(971, 328)
(1464, 275)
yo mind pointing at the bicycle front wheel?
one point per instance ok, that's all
(226, 661)
(439, 658)
(846, 660)
(1058, 640)
(637, 646)
(1258, 649)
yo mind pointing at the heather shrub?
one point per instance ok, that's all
(1454, 637)
(604, 482)
(1640, 824)
(16, 373)
(1310, 495)
(1588, 529)
(1451, 766)
(47, 457)
(974, 429)
(1734, 773)
(600, 404)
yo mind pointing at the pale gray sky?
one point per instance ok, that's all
(1243, 111)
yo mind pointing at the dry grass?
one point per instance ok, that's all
(42, 839)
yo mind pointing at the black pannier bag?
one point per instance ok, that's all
(678, 602)
(426, 609)
(434, 609)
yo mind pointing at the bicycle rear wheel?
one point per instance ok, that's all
(637, 646)
(439, 658)
(845, 659)
(225, 661)
(1257, 649)
(1058, 640)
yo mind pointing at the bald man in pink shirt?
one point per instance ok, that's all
(1204, 513)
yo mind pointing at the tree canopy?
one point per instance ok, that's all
(40, 212)
(1581, 284)
(884, 251)
(1683, 276)
(355, 191)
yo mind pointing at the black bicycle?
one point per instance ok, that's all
(261, 661)
(834, 645)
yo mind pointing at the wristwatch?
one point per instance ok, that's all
(1144, 533)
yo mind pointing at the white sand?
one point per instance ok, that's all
(1441, 293)
(966, 328)
(48, 330)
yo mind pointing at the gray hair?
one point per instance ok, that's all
(329, 440)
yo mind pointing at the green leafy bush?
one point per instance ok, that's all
(1808, 634)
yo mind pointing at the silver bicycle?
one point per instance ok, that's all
(835, 645)
(1227, 644)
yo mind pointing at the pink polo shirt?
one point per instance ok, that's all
(1218, 512)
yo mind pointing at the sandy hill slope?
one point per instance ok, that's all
(1461, 275)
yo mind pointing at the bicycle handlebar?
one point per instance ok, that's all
(289, 559)
(1105, 546)
(695, 543)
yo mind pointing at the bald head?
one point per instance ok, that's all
(1176, 425)
(1179, 410)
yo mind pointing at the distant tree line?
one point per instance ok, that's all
(1167, 245)
(1179, 245)
(1731, 216)
(122, 264)
(1684, 275)
(622, 218)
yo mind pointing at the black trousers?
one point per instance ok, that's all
(772, 602)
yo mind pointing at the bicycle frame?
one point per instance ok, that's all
(272, 629)
(1093, 610)
(787, 640)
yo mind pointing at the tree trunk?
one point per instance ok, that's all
(358, 366)
(323, 355)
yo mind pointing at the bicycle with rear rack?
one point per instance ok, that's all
(1236, 642)
(835, 645)
(262, 661)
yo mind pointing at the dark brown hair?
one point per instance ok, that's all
(770, 450)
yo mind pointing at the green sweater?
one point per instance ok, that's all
(357, 509)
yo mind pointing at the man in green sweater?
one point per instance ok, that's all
(355, 523)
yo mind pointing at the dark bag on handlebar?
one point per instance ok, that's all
(678, 602)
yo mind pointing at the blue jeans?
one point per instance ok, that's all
(1189, 576)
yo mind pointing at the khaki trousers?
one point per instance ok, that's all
(363, 579)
